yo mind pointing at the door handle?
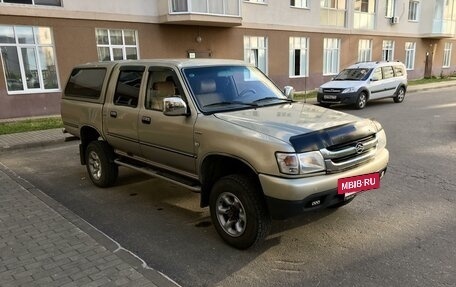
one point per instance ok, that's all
(146, 120)
(113, 114)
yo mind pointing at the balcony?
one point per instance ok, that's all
(363, 20)
(223, 13)
(332, 17)
(443, 29)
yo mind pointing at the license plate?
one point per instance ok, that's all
(352, 185)
(329, 97)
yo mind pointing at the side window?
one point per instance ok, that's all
(85, 83)
(162, 83)
(398, 71)
(128, 87)
(388, 72)
(377, 74)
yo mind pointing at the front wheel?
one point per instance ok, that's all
(400, 95)
(361, 101)
(238, 211)
(100, 164)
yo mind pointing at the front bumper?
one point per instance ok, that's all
(345, 98)
(287, 196)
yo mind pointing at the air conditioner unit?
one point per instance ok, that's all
(394, 20)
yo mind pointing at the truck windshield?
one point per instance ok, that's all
(359, 74)
(219, 88)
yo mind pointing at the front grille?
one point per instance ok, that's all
(330, 91)
(346, 155)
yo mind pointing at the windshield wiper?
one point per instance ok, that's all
(227, 103)
(272, 98)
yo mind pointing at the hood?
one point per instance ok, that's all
(341, 84)
(306, 127)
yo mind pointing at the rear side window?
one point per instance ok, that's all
(388, 72)
(399, 71)
(128, 87)
(85, 83)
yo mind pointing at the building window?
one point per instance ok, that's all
(410, 48)
(256, 1)
(299, 57)
(117, 45)
(390, 8)
(28, 57)
(388, 50)
(331, 56)
(256, 52)
(413, 10)
(218, 7)
(447, 55)
(364, 50)
(333, 13)
(364, 14)
(299, 3)
(35, 2)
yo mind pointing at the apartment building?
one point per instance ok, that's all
(301, 43)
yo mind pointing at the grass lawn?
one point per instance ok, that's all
(30, 125)
(430, 80)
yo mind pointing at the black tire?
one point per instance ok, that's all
(100, 164)
(400, 95)
(361, 101)
(250, 220)
(342, 203)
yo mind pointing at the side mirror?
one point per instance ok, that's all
(174, 106)
(288, 91)
(374, 79)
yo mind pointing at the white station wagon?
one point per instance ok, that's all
(365, 81)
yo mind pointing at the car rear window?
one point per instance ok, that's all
(399, 71)
(85, 83)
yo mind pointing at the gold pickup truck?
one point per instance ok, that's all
(221, 128)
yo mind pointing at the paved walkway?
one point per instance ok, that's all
(44, 244)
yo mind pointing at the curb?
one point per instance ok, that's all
(155, 277)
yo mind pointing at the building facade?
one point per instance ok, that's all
(302, 43)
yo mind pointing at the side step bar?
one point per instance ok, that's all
(176, 179)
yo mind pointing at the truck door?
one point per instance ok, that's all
(167, 140)
(121, 110)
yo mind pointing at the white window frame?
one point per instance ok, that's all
(364, 50)
(300, 4)
(390, 8)
(122, 46)
(33, 3)
(301, 44)
(253, 48)
(388, 50)
(39, 67)
(414, 10)
(447, 54)
(410, 52)
(331, 56)
(257, 1)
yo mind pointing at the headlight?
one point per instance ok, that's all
(349, 90)
(381, 137)
(302, 163)
(320, 90)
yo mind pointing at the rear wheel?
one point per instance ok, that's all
(361, 101)
(100, 164)
(238, 211)
(400, 95)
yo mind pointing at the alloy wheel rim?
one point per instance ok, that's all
(231, 214)
(362, 101)
(401, 95)
(95, 165)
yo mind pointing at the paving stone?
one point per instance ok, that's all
(38, 247)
